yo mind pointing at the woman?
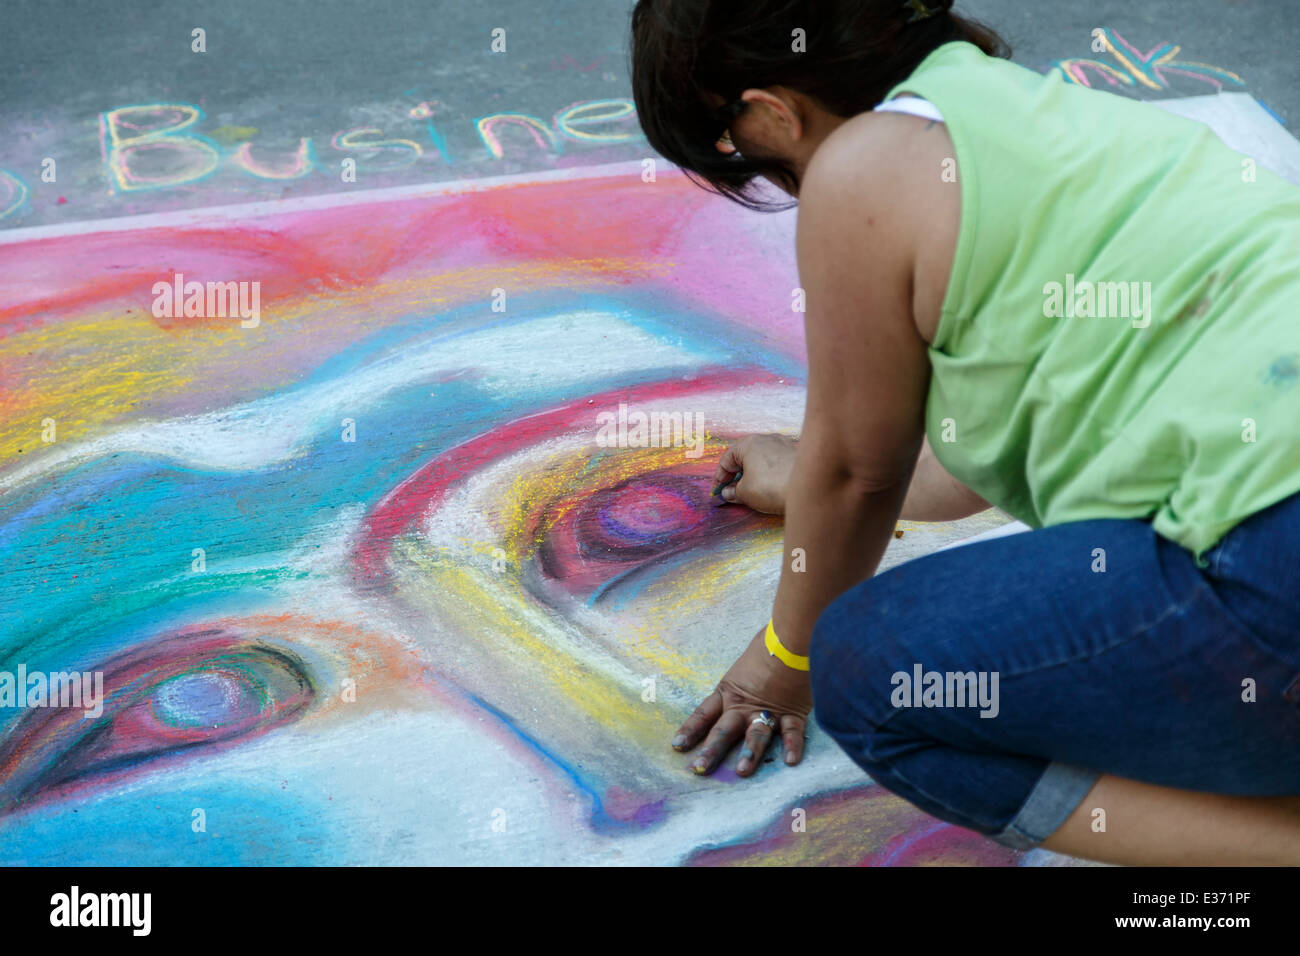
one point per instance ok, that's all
(1067, 304)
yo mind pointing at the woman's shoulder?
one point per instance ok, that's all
(880, 149)
(893, 176)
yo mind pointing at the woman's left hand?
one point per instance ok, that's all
(756, 682)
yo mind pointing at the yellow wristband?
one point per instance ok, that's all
(777, 649)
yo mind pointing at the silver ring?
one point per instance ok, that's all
(764, 717)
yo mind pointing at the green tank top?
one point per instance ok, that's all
(1120, 337)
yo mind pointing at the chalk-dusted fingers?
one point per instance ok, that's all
(757, 685)
(794, 729)
(763, 464)
(757, 737)
(729, 728)
(729, 464)
(697, 725)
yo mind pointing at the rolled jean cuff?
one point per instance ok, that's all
(1057, 794)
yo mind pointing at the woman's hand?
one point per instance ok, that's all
(756, 682)
(766, 461)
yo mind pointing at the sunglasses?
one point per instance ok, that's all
(726, 115)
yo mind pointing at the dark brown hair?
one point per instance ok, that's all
(856, 51)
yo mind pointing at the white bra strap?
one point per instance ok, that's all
(912, 105)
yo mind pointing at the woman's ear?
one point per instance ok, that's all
(783, 112)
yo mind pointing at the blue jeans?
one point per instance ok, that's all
(1151, 669)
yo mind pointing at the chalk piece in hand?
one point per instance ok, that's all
(717, 489)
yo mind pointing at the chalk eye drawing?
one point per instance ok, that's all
(1137, 70)
(491, 584)
(178, 695)
(622, 536)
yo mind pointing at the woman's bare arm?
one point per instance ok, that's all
(868, 201)
(935, 495)
(767, 460)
